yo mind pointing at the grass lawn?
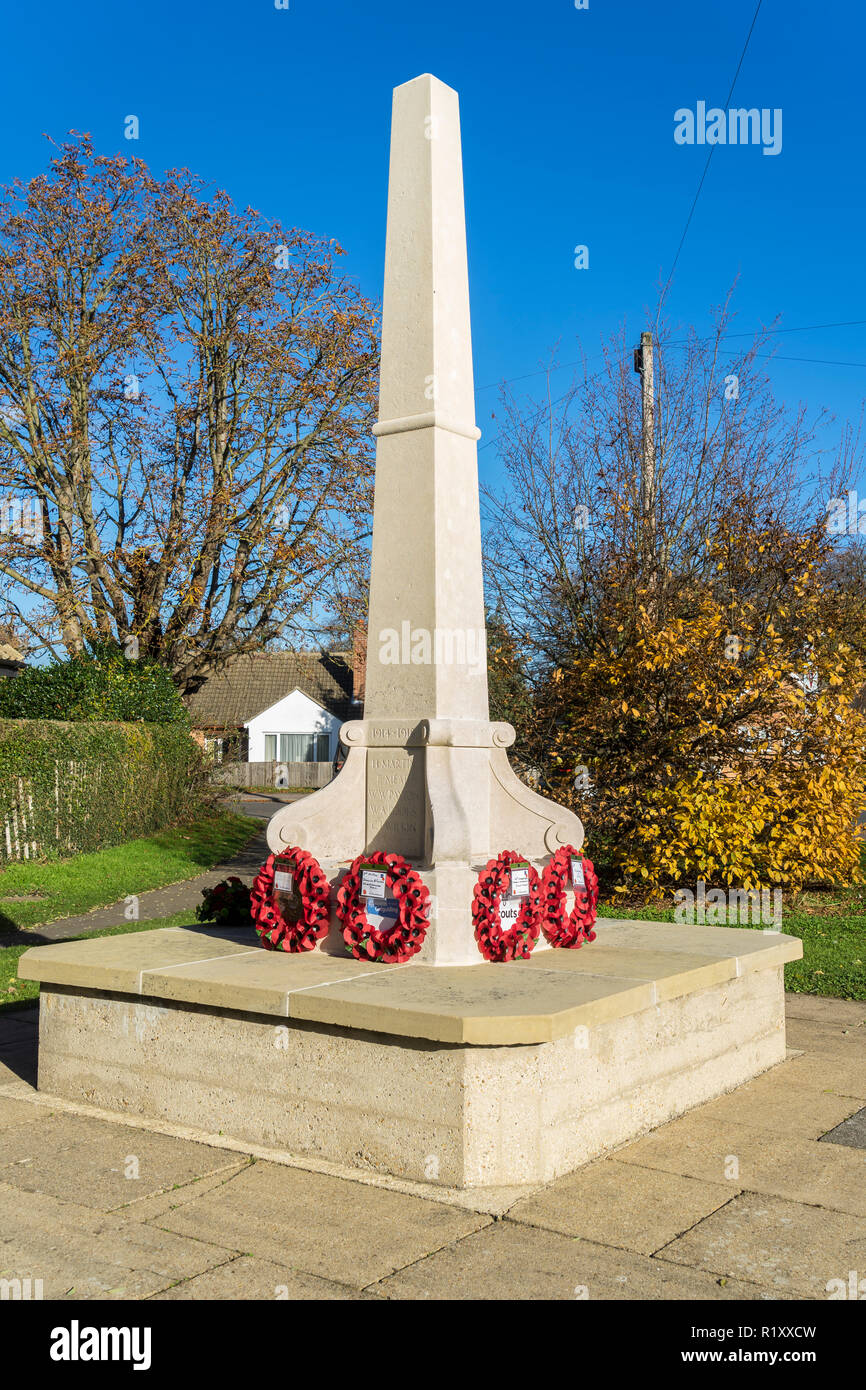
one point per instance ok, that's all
(31, 894)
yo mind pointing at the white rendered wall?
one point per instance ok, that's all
(294, 714)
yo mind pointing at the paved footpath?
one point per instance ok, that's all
(760, 1194)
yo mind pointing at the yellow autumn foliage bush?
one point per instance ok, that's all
(716, 744)
(692, 628)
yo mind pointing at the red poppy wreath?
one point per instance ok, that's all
(312, 888)
(398, 943)
(572, 928)
(493, 884)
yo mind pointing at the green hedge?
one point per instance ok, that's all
(99, 684)
(69, 787)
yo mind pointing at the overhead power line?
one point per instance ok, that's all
(728, 352)
(818, 361)
(707, 165)
(677, 342)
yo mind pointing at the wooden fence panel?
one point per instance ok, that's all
(281, 776)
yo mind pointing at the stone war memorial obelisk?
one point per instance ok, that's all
(448, 1070)
(427, 775)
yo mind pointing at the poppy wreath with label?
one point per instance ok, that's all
(568, 928)
(366, 942)
(314, 891)
(493, 884)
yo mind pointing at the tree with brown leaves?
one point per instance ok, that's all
(186, 395)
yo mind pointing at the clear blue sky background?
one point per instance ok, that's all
(568, 138)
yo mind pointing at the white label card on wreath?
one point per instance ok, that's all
(373, 882)
(520, 881)
(284, 874)
(577, 878)
(383, 913)
(509, 911)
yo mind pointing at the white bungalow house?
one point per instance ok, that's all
(297, 729)
(277, 706)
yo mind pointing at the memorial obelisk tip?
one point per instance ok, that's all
(426, 650)
(426, 337)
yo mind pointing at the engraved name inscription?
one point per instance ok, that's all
(395, 790)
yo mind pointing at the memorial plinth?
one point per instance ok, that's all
(487, 1075)
(446, 1069)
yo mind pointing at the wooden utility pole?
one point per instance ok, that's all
(643, 364)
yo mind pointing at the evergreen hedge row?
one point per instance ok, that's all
(68, 787)
(100, 683)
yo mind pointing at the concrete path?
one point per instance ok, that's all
(747, 1197)
(175, 897)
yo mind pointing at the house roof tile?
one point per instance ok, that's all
(250, 684)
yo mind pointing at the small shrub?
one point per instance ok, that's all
(226, 902)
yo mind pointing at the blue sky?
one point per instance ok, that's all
(568, 119)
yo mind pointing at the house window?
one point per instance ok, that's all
(298, 748)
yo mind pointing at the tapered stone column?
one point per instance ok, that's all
(427, 775)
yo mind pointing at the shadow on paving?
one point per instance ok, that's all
(19, 1046)
(851, 1132)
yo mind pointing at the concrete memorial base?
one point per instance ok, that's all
(475, 1076)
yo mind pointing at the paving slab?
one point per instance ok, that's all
(82, 1254)
(790, 1247)
(770, 1102)
(19, 1112)
(823, 1009)
(508, 1261)
(338, 1230)
(839, 1074)
(248, 1278)
(852, 1132)
(148, 1208)
(71, 1154)
(799, 1170)
(620, 1205)
(833, 1038)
